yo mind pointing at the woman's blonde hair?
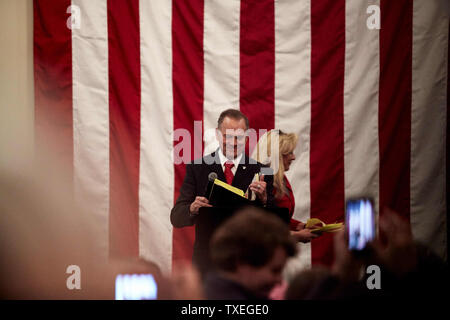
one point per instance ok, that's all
(263, 153)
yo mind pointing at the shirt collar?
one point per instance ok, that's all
(224, 159)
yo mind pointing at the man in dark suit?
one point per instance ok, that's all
(231, 165)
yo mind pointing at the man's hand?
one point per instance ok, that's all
(399, 253)
(197, 204)
(259, 188)
(345, 266)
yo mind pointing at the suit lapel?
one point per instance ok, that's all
(217, 167)
(243, 175)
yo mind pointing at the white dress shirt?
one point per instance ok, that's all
(224, 159)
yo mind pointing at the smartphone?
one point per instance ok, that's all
(136, 287)
(360, 223)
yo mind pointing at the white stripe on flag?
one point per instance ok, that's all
(293, 103)
(221, 63)
(362, 70)
(156, 167)
(91, 114)
(428, 123)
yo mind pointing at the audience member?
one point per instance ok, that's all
(408, 270)
(250, 251)
(43, 232)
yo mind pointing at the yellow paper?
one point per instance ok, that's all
(253, 195)
(332, 227)
(235, 190)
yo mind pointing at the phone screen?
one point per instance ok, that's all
(136, 287)
(360, 222)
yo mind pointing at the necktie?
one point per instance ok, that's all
(228, 173)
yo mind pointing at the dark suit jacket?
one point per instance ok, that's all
(195, 182)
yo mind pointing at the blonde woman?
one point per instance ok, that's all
(284, 196)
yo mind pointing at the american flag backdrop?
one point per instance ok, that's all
(369, 105)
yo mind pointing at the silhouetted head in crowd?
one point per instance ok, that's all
(251, 249)
(407, 269)
(42, 233)
(315, 283)
(47, 240)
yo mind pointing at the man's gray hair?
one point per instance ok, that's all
(233, 114)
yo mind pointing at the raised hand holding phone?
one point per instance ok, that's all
(360, 223)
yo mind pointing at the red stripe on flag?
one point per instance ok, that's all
(187, 51)
(124, 119)
(257, 63)
(395, 104)
(327, 120)
(53, 80)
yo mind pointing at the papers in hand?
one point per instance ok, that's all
(229, 187)
(222, 194)
(317, 225)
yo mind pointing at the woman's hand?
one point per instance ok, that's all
(304, 235)
(300, 226)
